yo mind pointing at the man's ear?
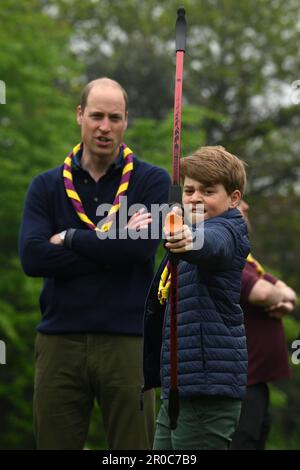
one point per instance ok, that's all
(235, 198)
(79, 114)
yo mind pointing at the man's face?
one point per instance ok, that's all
(214, 198)
(103, 122)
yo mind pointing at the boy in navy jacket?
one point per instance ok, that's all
(212, 355)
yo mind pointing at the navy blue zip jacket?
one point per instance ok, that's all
(99, 286)
(212, 355)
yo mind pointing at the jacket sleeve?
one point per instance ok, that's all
(153, 189)
(39, 257)
(219, 242)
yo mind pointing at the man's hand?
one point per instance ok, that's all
(280, 310)
(139, 220)
(56, 240)
(290, 294)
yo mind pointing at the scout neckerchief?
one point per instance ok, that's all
(164, 284)
(74, 196)
(259, 269)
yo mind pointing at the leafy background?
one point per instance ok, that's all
(241, 62)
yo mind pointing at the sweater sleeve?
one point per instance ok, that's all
(39, 257)
(153, 189)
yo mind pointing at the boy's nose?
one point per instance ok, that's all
(197, 196)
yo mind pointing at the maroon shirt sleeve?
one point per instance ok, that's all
(270, 278)
(249, 279)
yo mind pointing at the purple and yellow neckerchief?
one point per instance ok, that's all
(74, 196)
(259, 269)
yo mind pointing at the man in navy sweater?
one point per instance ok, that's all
(89, 340)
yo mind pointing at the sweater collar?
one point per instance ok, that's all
(118, 163)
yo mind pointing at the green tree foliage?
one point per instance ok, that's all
(36, 132)
(242, 58)
(151, 139)
(241, 61)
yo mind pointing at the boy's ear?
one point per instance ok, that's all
(235, 197)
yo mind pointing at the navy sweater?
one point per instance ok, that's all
(99, 286)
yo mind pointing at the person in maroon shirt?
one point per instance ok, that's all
(264, 300)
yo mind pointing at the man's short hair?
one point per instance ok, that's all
(105, 81)
(214, 165)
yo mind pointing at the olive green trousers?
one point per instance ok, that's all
(73, 370)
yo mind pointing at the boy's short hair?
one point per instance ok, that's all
(214, 165)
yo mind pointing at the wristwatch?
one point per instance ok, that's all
(62, 235)
(68, 237)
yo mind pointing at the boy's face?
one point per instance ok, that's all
(214, 198)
